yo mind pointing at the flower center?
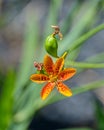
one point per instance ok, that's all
(53, 78)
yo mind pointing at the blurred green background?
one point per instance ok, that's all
(24, 26)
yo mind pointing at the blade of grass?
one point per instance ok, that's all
(30, 94)
(86, 36)
(75, 48)
(95, 17)
(29, 50)
(31, 106)
(29, 103)
(73, 55)
(38, 103)
(20, 126)
(86, 14)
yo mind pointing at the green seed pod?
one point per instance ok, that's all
(51, 45)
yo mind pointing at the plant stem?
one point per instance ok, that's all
(85, 65)
(85, 37)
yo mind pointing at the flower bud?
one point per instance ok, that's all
(51, 45)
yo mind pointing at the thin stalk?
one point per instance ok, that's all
(85, 64)
(85, 37)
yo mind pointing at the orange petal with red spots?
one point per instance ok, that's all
(39, 78)
(58, 65)
(46, 90)
(63, 89)
(66, 74)
(48, 64)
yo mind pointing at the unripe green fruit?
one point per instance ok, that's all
(51, 45)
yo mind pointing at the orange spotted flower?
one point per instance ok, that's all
(54, 74)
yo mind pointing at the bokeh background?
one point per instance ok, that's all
(24, 23)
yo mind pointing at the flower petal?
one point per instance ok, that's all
(47, 89)
(63, 89)
(66, 74)
(39, 78)
(48, 64)
(58, 65)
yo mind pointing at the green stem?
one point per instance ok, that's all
(85, 65)
(86, 36)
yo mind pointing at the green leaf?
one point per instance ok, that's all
(85, 37)
(30, 52)
(86, 14)
(100, 116)
(36, 103)
(28, 98)
(6, 100)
